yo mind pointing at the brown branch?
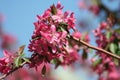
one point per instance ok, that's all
(96, 48)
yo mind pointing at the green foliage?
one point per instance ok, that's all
(54, 61)
(118, 30)
(95, 63)
(17, 61)
(108, 34)
(113, 47)
(21, 57)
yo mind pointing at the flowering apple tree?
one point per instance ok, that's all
(56, 41)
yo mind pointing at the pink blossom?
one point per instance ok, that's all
(59, 6)
(49, 38)
(114, 75)
(8, 40)
(71, 21)
(5, 62)
(77, 35)
(46, 14)
(82, 5)
(57, 18)
(103, 25)
(95, 9)
(107, 63)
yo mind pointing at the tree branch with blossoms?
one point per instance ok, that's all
(98, 49)
(53, 42)
(78, 41)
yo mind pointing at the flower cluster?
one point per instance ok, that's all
(6, 62)
(106, 39)
(50, 38)
(56, 40)
(100, 36)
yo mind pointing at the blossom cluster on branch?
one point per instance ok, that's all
(108, 38)
(57, 41)
(50, 41)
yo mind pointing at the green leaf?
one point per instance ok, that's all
(22, 55)
(116, 61)
(118, 52)
(53, 61)
(108, 34)
(17, 61)
(43, 70)
(95, 63)
(118, 30)
(21, 49)
(26, 60)
(119, 45)
(113, 47)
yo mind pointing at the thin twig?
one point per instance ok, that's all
(96, 48)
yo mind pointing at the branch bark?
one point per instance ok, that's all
(96, 48)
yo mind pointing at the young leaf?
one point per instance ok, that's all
(95, 63)
(22, 55)
(118, 30)
(108, 35)
(118, 52)
(17, 61)
(26, 60)
(116, 61)
(113, 47)
(53, 9)
(53, 61)
(43, 70)
(21, 49)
